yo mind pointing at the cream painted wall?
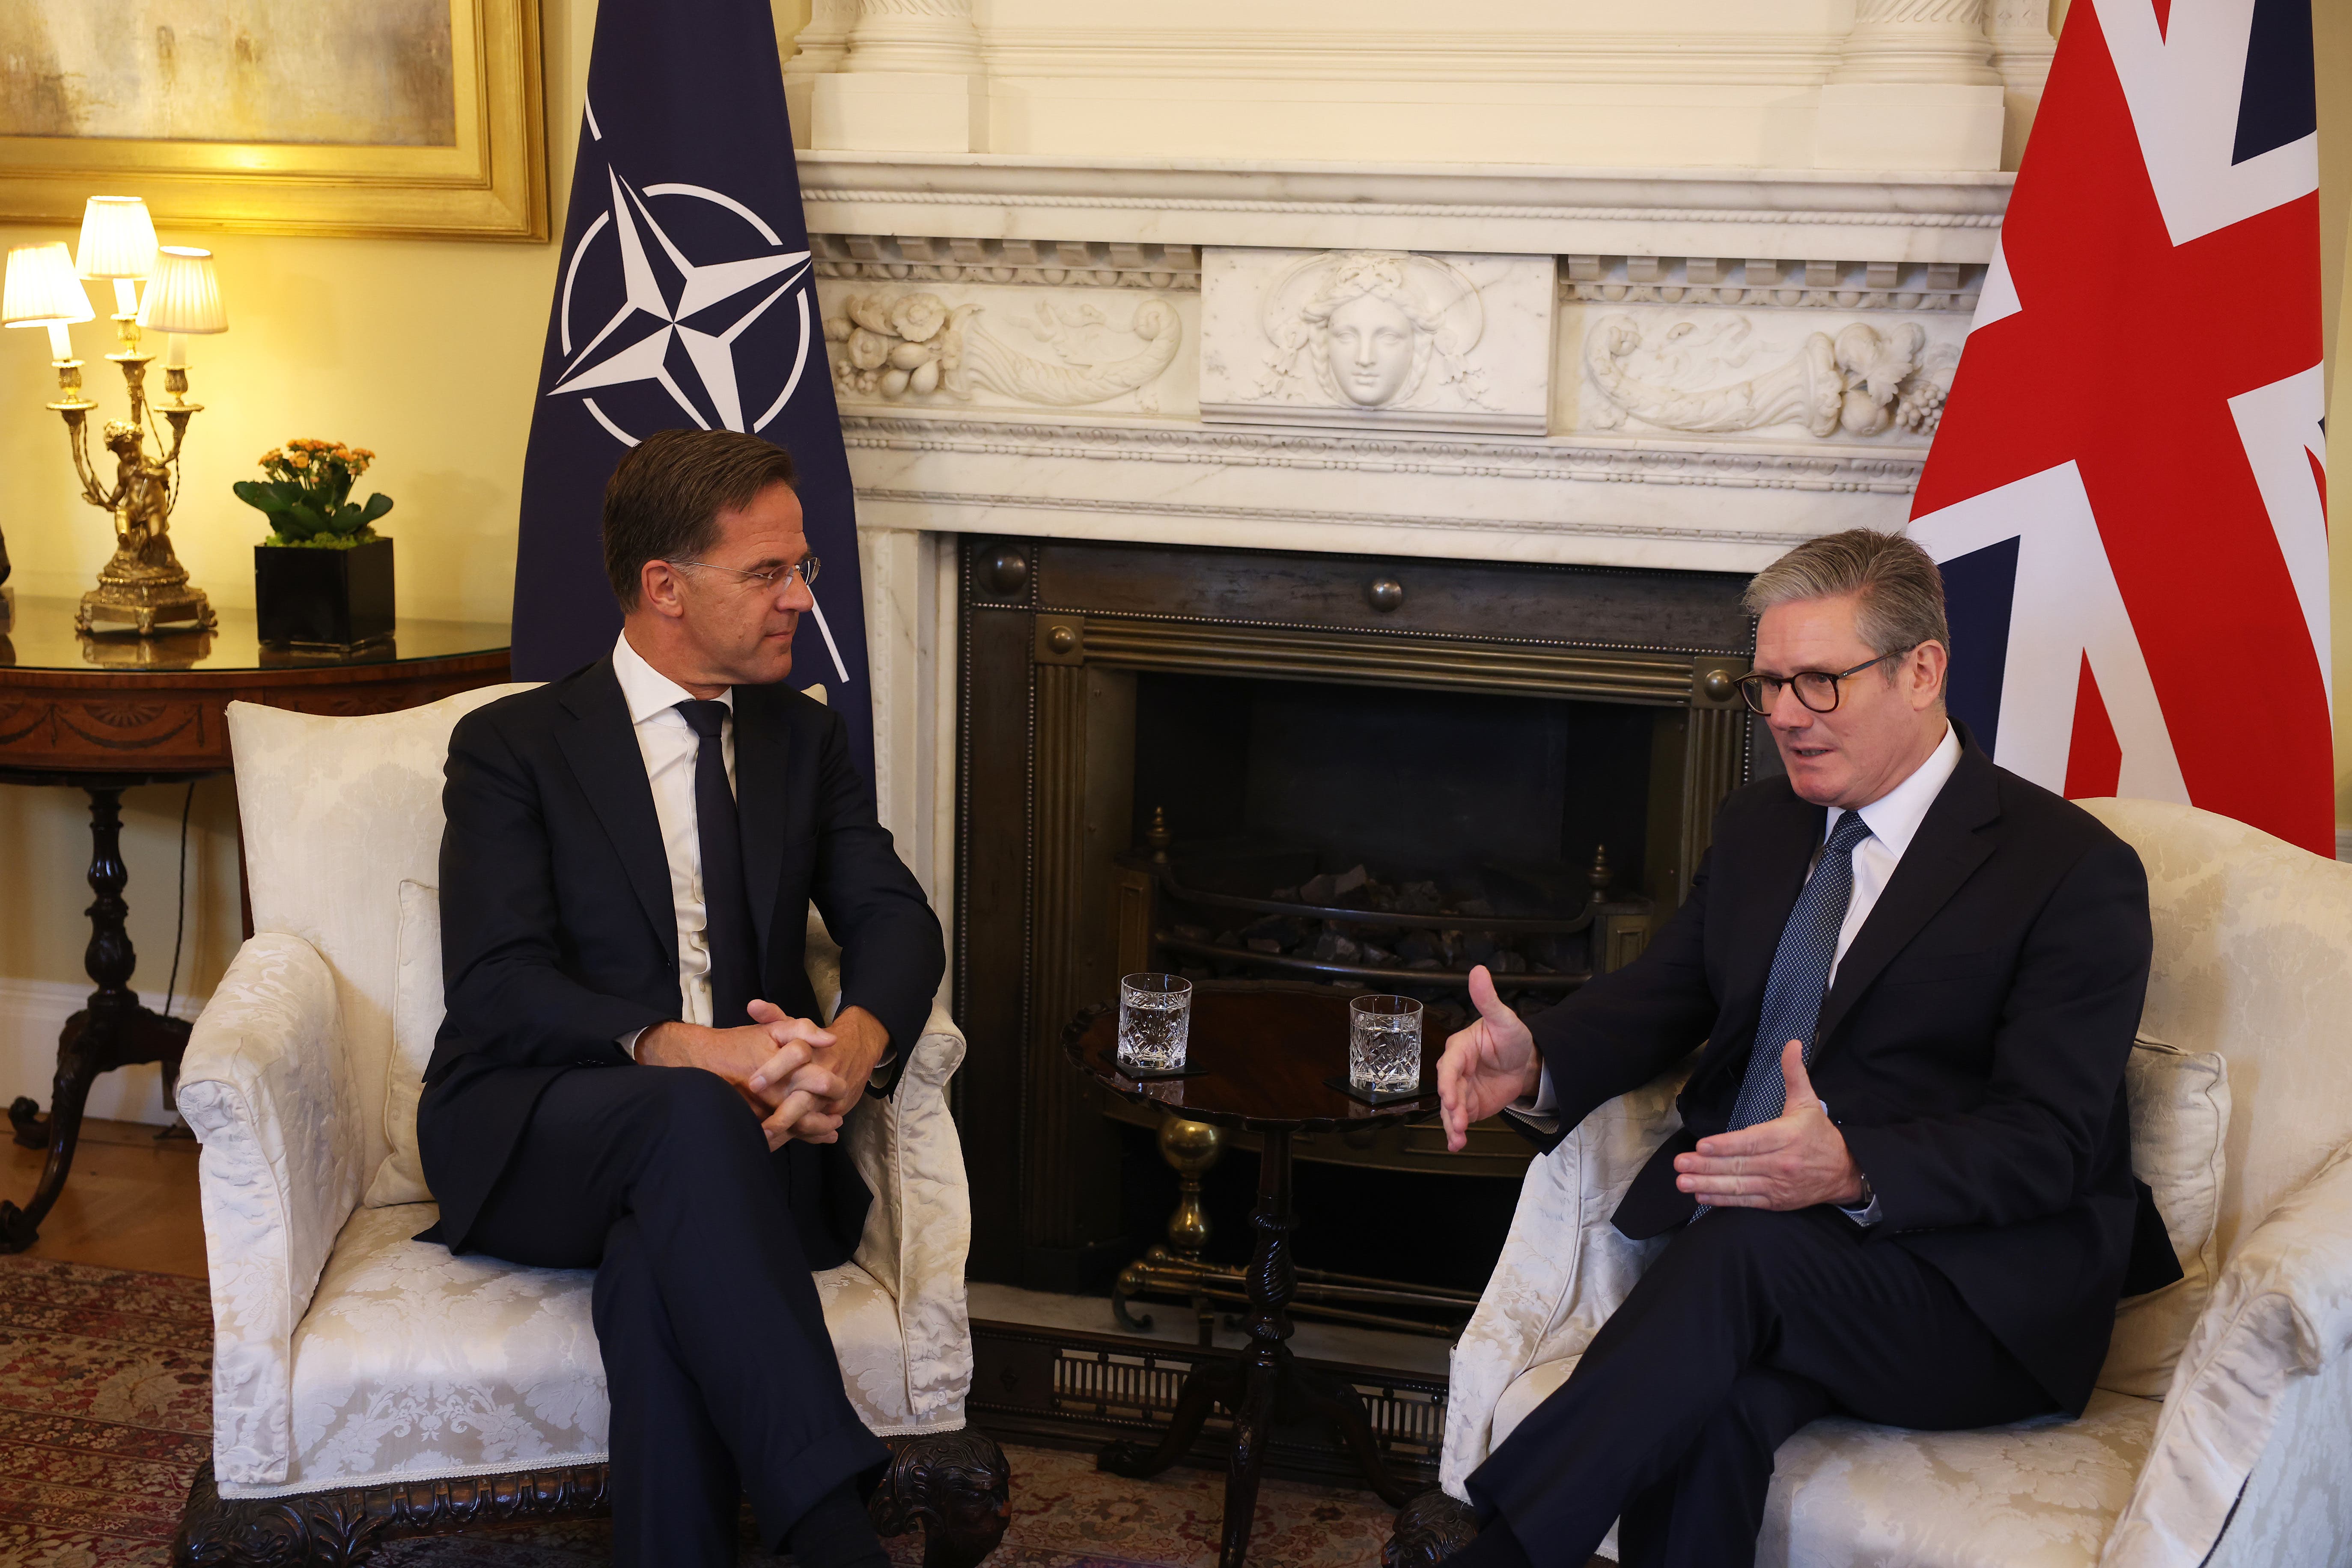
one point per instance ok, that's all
(427, 352)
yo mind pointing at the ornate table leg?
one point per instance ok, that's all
(1266, 1365)
(112, 1031)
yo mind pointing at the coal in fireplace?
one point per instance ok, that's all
(1277, 768)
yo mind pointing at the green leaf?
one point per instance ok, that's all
(377, 505)
(259, 495)
(302, 521)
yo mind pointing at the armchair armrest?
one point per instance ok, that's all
(264, 1085)
(916, 1235)
(1563, 1269)
(2282, 1311)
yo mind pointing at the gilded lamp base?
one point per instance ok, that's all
(145, 590)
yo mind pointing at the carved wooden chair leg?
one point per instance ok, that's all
(957, 1485)
(1430, 1529)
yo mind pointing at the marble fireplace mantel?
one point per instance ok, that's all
(1498, 207)
(1678, 368)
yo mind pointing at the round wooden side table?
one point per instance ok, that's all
(101, 713)
(1257, 1059)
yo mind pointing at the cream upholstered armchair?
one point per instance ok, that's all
(2221, 1431)
(367, 1386)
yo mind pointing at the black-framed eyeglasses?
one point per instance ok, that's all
(806, 566)
(1816, 689)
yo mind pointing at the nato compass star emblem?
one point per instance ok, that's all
(701, 307)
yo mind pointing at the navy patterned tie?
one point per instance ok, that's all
(726, 903)
(1799, 977)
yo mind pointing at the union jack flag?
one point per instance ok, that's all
(2128, 490)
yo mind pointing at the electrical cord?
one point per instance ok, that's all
(179, 933)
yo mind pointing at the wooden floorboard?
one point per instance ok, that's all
(129, 1202)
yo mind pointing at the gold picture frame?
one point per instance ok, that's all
(490, 185)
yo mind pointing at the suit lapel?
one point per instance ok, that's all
(761, 759)
(1947, 850)
(602, 747)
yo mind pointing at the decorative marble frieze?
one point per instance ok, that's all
(1774, 374)
(1009, 347)
(1376, 338)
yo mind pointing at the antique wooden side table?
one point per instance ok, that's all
(1262, 1055)
(104, 713)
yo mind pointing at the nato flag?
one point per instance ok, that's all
(684, 300)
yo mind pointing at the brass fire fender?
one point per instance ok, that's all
(1083, 730)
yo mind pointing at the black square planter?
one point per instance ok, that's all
(306, 597)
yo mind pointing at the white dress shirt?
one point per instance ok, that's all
(1894, 821)
(668, 745)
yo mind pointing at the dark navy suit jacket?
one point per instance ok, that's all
(558, 935)
(1971, 1048)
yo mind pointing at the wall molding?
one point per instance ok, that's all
(1743, 59)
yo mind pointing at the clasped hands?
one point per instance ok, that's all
(1795, 1161)
(800, 1078)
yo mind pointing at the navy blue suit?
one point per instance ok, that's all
(546, 1143)
(1971, 1050)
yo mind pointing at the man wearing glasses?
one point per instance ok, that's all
(1902, 1189)
(630, 1077)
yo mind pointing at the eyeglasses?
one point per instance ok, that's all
(1816, 689)
(806, 566)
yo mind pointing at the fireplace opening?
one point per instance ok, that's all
(1373, 838)
(1388, 838)
(1273, 768)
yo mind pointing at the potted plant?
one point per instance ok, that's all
(323, 577)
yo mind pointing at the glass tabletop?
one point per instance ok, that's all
(43, 637)
(1264, 1051)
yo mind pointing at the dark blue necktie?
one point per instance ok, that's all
(1799, 977)
(727, 906)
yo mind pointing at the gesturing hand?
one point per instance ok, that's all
(1794, 1161)
(1486, 1065)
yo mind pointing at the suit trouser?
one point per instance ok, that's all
(722, 1376)
(1749, 1325)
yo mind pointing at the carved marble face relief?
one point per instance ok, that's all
(1373, 321)
(1371, 347)
(1374, 337)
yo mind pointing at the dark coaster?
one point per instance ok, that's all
(1144, 1075)
(1372, 1097)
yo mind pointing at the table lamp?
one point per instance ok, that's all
(118, 242)
(143, 588)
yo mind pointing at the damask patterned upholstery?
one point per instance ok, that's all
(346, 1353)
(2252, 938)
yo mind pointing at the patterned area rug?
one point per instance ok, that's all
(105, 1407)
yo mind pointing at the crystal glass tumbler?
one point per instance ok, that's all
(1384, 1045)
(1155, 1020)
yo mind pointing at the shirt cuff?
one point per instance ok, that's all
(628, 1042)
(1540, 1110)
(1865, 1217)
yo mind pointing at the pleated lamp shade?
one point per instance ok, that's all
(118, 238)
(41, 288)
(182, 293)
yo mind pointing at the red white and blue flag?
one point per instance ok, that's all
(2128, 491)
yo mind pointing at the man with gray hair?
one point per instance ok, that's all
(1902, 1189)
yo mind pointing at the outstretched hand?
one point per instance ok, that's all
(1795, 1161)
(1486, 1065)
